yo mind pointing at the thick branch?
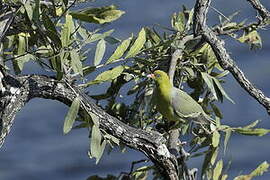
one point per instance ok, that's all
(264, 13)
(151, 143)
(226, 62)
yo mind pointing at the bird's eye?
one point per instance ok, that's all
(157, 75)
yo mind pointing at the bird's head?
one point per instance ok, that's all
(159, 76)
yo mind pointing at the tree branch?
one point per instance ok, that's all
(264, 13)
(223, 57)
(19, 90)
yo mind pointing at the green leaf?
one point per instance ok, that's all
(262, 168)
(98, 15)
(111, 40)
(95, 119)
(99, 36)
(36, 12)
(76, 63)
(209, 82)
(138, 44)
(222, 90)
(88, 69)
(107, 75)
(252, 38)
(224, 177)
(49, 25)
(216, 111)
(228, 133)
(120, 50)
(252, 125)
(100, 50)
(112, 139)
(178, 21)
(67, 30)
(29, 10)
(96, 148)
(71, 115)
(23, 59)
(210, 157)
(218, 170)
(22, 43)
(215, 139)
(252, 132)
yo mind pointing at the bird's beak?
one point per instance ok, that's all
(152, 76)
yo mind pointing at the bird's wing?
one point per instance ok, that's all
(184, 103)
(186, 107)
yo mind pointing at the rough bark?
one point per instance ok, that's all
(20, 90)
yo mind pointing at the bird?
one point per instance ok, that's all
(176, 105)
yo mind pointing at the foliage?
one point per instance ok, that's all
(54, 36)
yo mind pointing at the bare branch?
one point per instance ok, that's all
(25, 88)
(264, 13)
(218, 46)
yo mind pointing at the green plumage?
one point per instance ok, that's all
(174, 104)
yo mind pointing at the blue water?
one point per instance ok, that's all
(37, 149)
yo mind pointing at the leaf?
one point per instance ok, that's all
(209, 82)
(138, 44)
(107, 75)
(111, 40)
(71, 115)
(215, 139)
(228, 133)
(218, 170)
(36, 12)
(49, 25)
(252, 38)
(224, 177)
(76, 63)
(67, 30)
(262, 168)
(210, 157)
(100, 50)
(178, 21)
(96, 148)
(252, 132)
(99, 36)
(99, 15)
(216, 110)
(222, 90)
(120, 50)
(29, 10)
(88, 69)
(252, 125)
(141, 173)
(23, 59)
(95, 119)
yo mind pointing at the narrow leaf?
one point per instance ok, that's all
(76, 63)
(138, 44)
(262, 168)
(95, 142)
(218, 170)
(252, 132)
(222, 90)
(120, 50)
(208, 80)
(228, 133)
(71, 115)
(215, 139)
(107, 75)
(100, 50)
